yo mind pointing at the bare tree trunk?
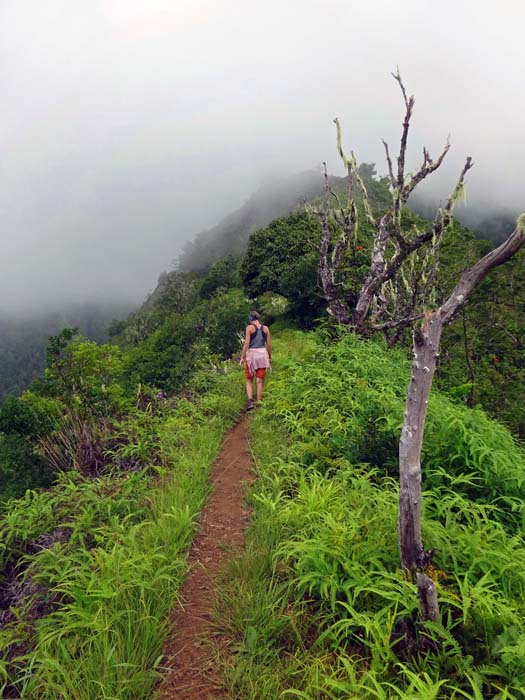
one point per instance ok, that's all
(413, 556)
(425, 348)
(426, 344)
(428, 598)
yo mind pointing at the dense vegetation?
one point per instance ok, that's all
(90, 568)
(317, 607)
(484, 351)
(106, 458)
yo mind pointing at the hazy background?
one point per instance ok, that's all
(127, 126)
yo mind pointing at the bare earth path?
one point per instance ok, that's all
(188, 653)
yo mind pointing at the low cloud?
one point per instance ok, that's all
(126, 127)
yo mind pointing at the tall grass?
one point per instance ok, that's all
(103, 591)
(323, 610)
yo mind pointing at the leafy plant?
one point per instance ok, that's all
(338, 620)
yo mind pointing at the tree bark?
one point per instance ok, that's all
(427, 593)
(426, 351)
(373, 282)
(336, 306)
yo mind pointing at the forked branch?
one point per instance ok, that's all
(379, 302)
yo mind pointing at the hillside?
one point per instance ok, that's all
(23, 341)
(106, 464)
(317, 606)
(228, 241)
(276, 197)
(482, 358)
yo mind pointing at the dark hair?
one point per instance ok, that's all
(254, 316)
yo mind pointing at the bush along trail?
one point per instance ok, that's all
(91, 568)
(316, 607)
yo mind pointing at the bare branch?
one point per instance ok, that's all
(459, 188)
(409, 104)
(376, 272)
(424, 171)
(399, 323)
(473, 276)
(349, 227)
(441, 221)
(353, 172)
(336, 306)
(389, 162)
(347, 220)
(379, 275)
(340, 215)
(397, 76)
(325, 175)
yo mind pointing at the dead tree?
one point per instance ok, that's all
(426, 344)
(399, 285)
(389, 299)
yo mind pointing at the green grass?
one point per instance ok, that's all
(106, 589)
(317, 607)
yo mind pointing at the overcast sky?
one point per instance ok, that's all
(128, 125)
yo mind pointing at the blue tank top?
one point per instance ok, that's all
(258, 339)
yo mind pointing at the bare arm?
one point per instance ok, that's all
(246, 345)
(268, 342)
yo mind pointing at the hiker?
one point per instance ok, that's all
(255, 356)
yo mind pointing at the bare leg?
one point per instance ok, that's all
(249, 388)
(260, 385)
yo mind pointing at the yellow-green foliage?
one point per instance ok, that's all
(89, 376)
(103, 558)
(317, 607)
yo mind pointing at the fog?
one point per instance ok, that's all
(126, 126)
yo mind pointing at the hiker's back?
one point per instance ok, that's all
(258, 339)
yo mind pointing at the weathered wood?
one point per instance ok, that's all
(426, 344)
(425, 351)
(372, 285)
(327, 270)
(427, 593)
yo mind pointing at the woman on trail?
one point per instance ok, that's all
(255, 356)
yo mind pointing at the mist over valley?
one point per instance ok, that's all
(127, 128)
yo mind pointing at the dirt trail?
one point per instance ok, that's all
(188, 653)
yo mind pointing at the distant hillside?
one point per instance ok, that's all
(275, 198)
(23, 342)
(490, 222)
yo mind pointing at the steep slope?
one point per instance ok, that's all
(276, 197)
(23, 342)
(229, 239)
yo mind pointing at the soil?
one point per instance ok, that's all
(189, 654)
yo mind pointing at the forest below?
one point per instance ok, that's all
(104, 460)
(24, 340)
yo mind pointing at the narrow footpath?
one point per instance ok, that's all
(188, 651)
